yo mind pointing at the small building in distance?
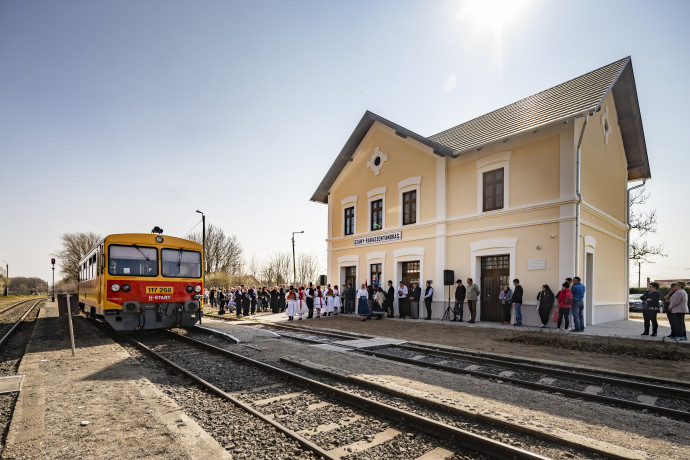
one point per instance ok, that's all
(536, 190)
(667, 283)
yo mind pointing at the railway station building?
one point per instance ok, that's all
(536, 190)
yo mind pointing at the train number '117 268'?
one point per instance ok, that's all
(158, 290)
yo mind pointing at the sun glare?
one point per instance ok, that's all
(491, 15)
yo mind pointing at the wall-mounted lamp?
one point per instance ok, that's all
(538, 247)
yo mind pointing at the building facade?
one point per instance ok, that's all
(536, 190)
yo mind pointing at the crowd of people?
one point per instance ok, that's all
(675, 305)
(294, 301)
(314, 301)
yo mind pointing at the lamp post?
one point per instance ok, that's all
(7, 274)
(294, 267)
(203, 241)
(52, 261)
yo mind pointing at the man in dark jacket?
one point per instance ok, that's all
(460, 292)
(390, 296)
(310, 300)
(517, 302)
(428, 297)
(415, 295)
(274, 300)
(351, 296)
(252, 299)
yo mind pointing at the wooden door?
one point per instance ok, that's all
(410, 274)
(495, 274)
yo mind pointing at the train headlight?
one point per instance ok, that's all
(115, 287)
(189, 289)
(126, 288)
(197, 288)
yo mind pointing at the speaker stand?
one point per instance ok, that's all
(446, 315)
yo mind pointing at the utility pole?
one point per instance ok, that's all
(203, 242)
(52, 261)
(7, 274)
(294, 267)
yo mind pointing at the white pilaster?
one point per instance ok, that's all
(440, 228)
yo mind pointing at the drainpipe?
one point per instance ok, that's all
(627, 243)
(579, 197)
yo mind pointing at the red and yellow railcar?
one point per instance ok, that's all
(142, 281)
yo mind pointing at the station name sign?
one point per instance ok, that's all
(378, 238)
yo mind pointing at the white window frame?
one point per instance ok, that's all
(489, 163)
(349, 202)
(408, 185)
(373, 195)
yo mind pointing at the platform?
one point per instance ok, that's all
(95, 404)
(630, 328)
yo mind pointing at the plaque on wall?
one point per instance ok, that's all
(536, 264)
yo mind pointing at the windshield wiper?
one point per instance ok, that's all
(141, 252)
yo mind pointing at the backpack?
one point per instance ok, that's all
(568, 299)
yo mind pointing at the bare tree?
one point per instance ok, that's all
(222, 253)
(74, 247)
(642, 221)
(253, 268)
(278, 268)
(307, 267)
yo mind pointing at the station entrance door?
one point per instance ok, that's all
(494, 275)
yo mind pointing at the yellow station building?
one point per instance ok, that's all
(536, 190)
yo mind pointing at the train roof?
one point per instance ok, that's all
(150, 238)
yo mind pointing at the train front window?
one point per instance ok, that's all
(179, 263)
(132, 261)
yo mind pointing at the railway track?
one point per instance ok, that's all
(666, 398)
(325, 420)
(12, 316)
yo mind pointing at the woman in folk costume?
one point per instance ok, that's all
(318, 302)
(362, 307)
(336, 300)
(292, 304)
(302, 299)
(329, 300)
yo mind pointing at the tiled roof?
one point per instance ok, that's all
(562, 102)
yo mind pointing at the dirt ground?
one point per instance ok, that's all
(493, 340)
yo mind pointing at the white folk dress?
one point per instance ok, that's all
(318, 302)
(329, 301)
(292, 305)
(336, 301)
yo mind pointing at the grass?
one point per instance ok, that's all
(664, 349)
(16, 298)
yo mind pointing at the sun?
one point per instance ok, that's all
(491, 16)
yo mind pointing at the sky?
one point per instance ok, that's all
(119, 116)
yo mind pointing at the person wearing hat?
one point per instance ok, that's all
(428, 295)
(460, 292)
